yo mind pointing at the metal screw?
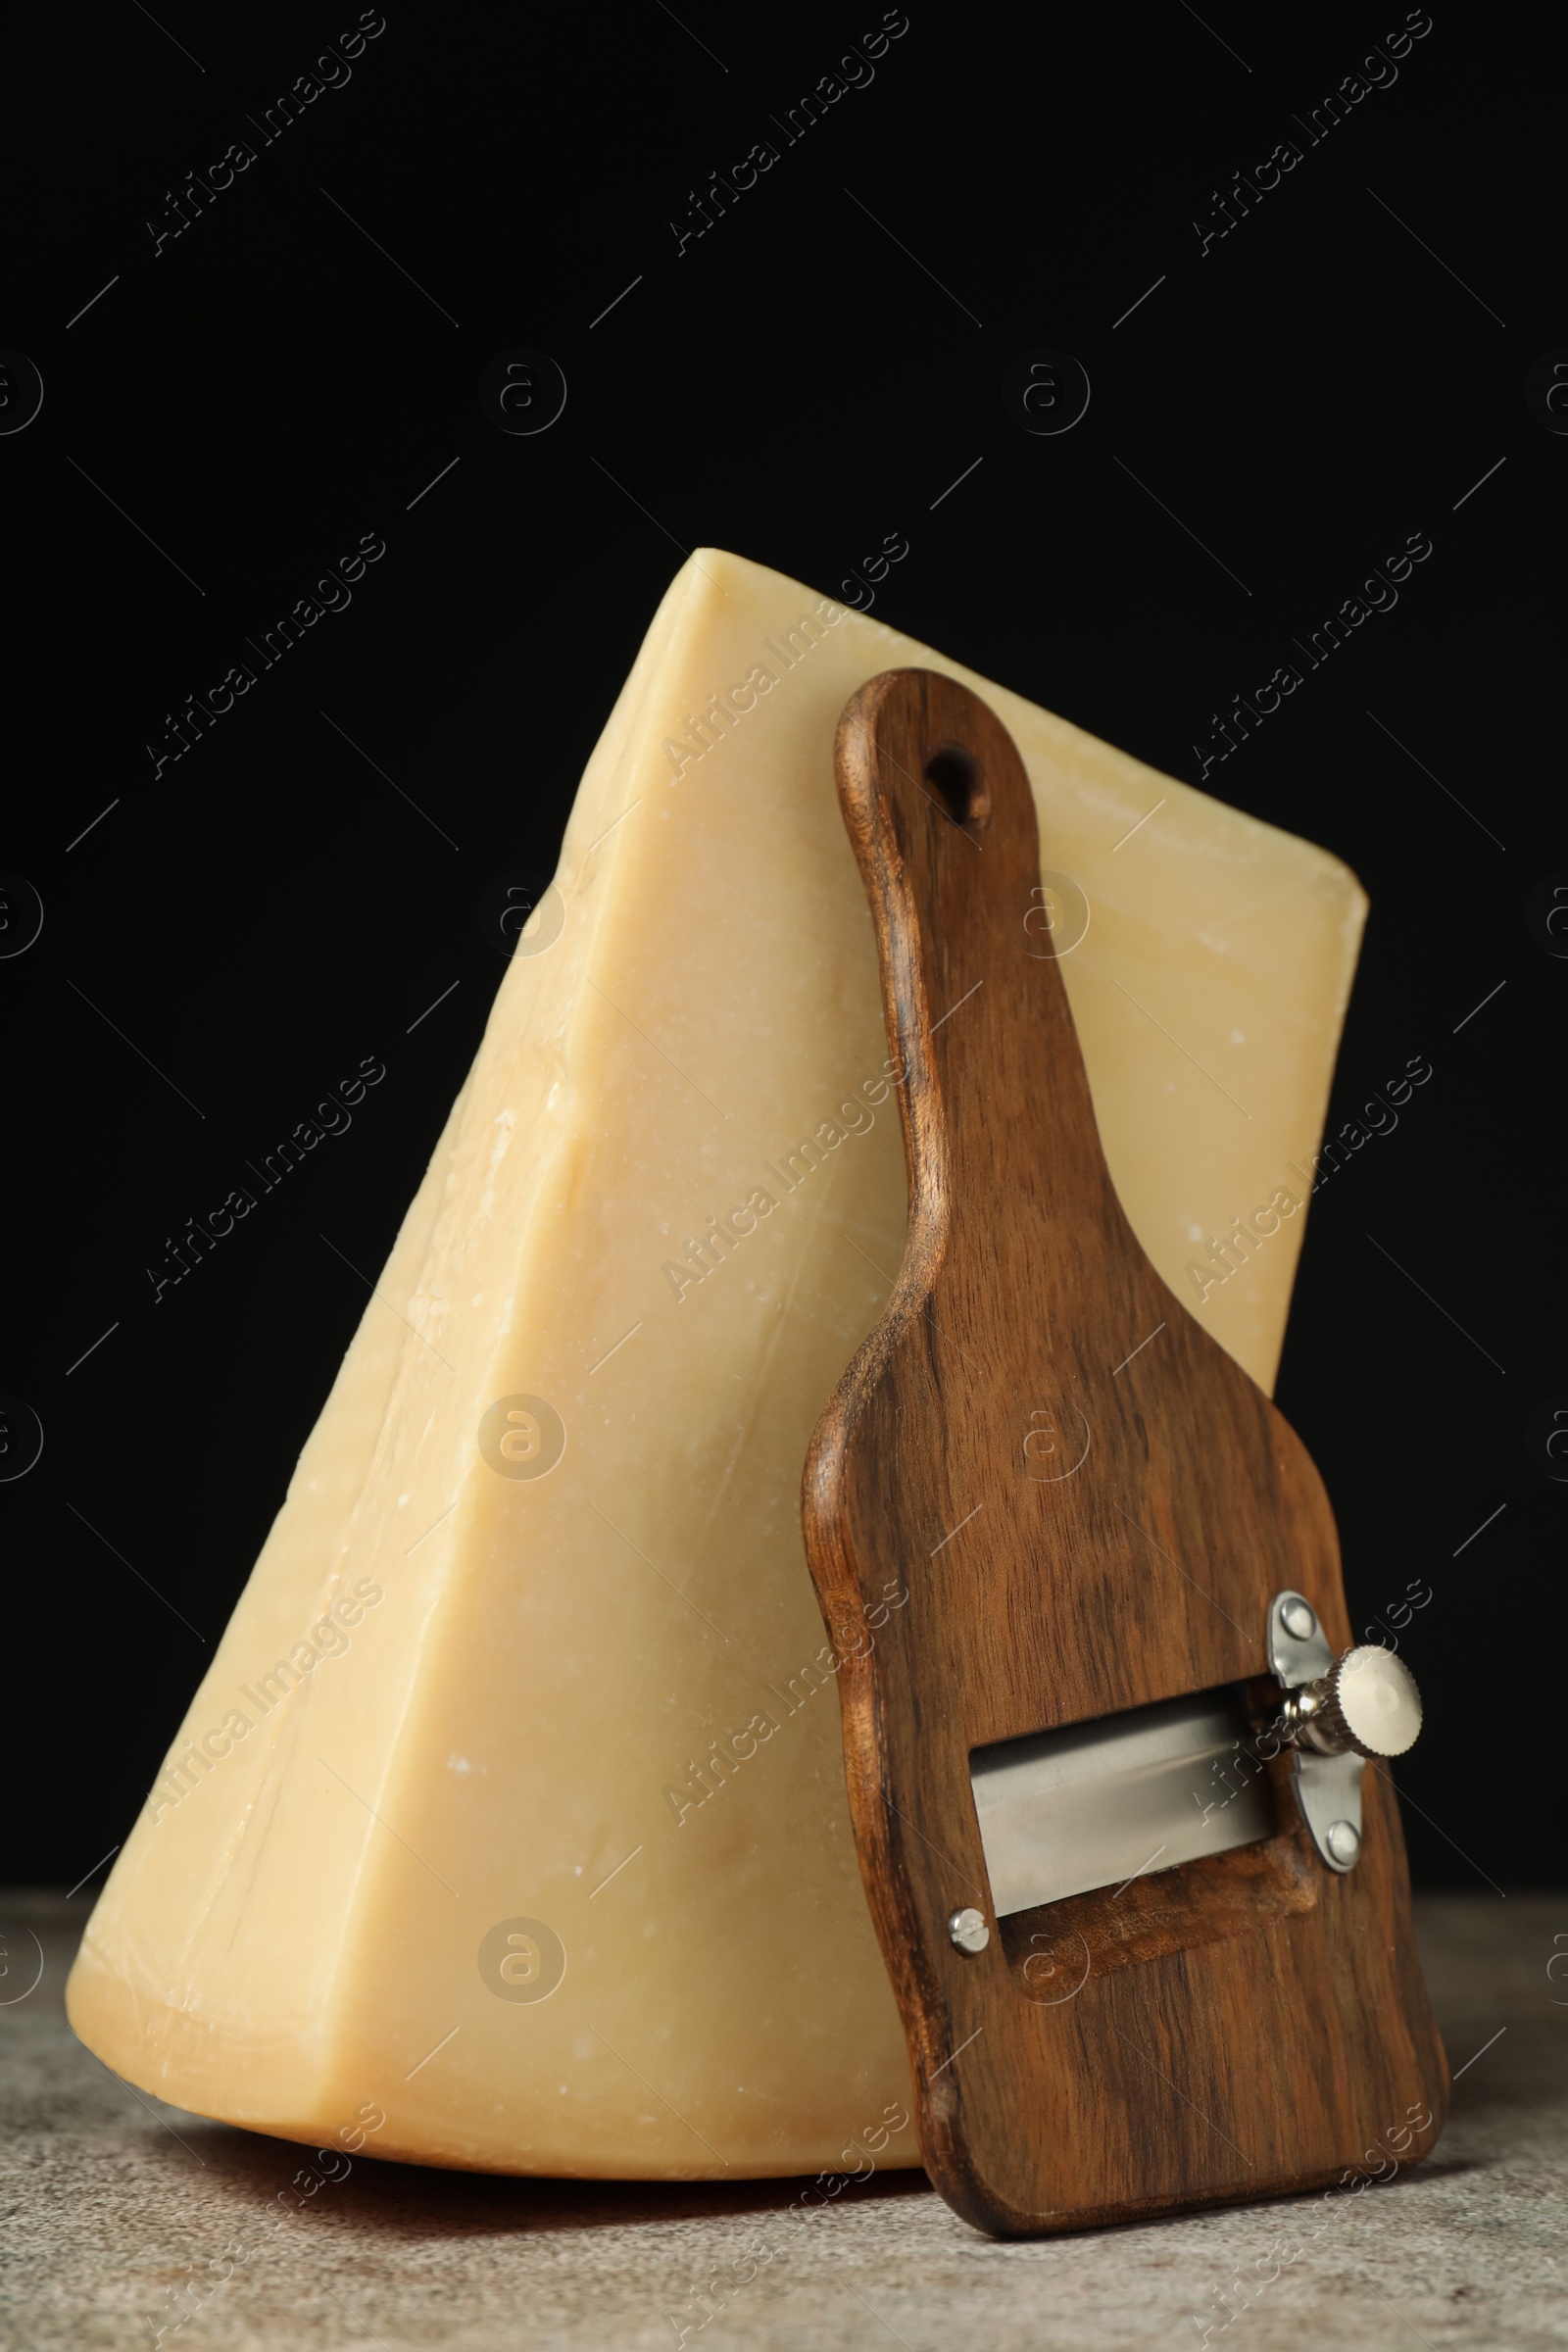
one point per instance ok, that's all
(968, 1930)
(1343, 1841)
(1299, 1620)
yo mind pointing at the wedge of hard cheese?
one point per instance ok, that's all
(512, 1811)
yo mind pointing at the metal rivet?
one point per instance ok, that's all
(1298, 1620)
(968, 1930)
(1343, 1841)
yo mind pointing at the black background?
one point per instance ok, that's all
(1304, 395)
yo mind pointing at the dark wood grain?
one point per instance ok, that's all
(1249, 2024)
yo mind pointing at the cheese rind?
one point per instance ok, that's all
(589, 1705)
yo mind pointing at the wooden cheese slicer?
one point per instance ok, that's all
(1143, 1900)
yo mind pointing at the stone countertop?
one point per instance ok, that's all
(113, 2200)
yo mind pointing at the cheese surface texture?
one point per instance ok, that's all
(512, 1809)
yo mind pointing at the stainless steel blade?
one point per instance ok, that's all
(1098, 1804)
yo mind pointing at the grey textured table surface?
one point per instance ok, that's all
(112, 2203)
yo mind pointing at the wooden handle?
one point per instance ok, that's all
(1090, 1506)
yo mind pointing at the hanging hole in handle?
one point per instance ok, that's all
(958, 781)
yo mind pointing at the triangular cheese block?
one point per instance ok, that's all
(509, 1821)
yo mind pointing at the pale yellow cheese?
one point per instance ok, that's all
(509, 1716)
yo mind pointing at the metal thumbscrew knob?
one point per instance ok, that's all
(1365, 1705)
(968, 1930)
